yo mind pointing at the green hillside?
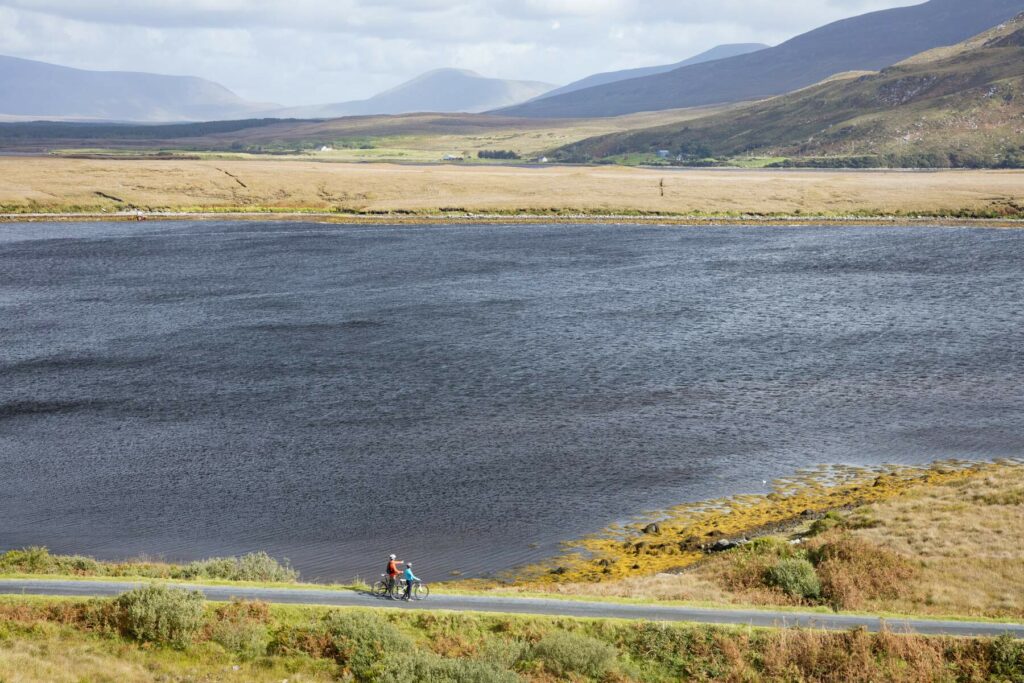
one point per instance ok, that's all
(959, 106)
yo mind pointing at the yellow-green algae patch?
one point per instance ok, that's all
(639, 549)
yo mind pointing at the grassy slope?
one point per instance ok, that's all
(961, 106)
(47, 639)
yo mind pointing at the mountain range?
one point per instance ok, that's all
(37, 89)
(441, 90)
(719, 52)
(867, 42)
(959, 106)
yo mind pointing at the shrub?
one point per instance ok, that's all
(795, 577)
(747, 566)
(830, 521)
(423, 666)
(252, 567)
(34, 560)
(241, 627)
(157, 614)
(852, 571)
(565, 652)
(358, 641)
(769, 546)
(361, 640)
(1007, 658)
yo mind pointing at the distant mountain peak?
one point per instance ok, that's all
(30, 88)
(445, 90)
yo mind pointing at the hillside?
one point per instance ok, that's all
(956, 106)
(441, 90)
(37, 89)
(719, 52)
(867, 42)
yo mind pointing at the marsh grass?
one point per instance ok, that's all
(297, 186)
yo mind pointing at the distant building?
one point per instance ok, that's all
(452, 157)
(325, 148)
(543, 160)
(663, 153)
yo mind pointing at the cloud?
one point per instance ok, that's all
(308, 51)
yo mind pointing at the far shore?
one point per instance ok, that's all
(781, 221)
(52, 188)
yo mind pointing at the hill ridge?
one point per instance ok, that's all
(866, 42)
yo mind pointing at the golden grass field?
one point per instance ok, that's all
(48, 184)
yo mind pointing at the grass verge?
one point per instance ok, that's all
(47, 639)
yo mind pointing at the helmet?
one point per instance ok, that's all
(392, 556)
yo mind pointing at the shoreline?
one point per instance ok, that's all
(401, 218)
(789, 503)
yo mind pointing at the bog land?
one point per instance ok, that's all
(51, 185)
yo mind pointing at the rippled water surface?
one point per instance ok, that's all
(467, 396)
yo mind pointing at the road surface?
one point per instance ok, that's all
(538, 606)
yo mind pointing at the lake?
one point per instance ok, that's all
(468, 396)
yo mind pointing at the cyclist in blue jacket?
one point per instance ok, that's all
(410, 579)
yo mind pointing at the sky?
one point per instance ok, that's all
(296, 52)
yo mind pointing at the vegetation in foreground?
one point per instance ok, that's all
(161, 634)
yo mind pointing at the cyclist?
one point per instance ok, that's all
(392, 571)
(410, 579)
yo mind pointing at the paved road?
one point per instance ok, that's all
(479, 603)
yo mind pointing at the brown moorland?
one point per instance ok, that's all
(44, 185)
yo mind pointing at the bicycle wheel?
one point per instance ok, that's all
(398, 589)
(421, 591)
(379, 589)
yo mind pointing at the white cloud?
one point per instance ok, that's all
(306, 51)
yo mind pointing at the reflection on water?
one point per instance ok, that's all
(332, 394)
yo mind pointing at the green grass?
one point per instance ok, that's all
(55, 639)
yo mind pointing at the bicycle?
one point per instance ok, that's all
(420, 590)
(381, 590)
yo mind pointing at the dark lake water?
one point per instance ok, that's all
(467, 396)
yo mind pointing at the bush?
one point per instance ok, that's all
(795, 577)
(853, 571)
(565, 652)
(747, 566)
(1007, 657)
(34, 560)
(241, 627)
(252, 567)
(157, 614)
(769, 546)
(829, 522)
(359, 641)
(422, 666)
